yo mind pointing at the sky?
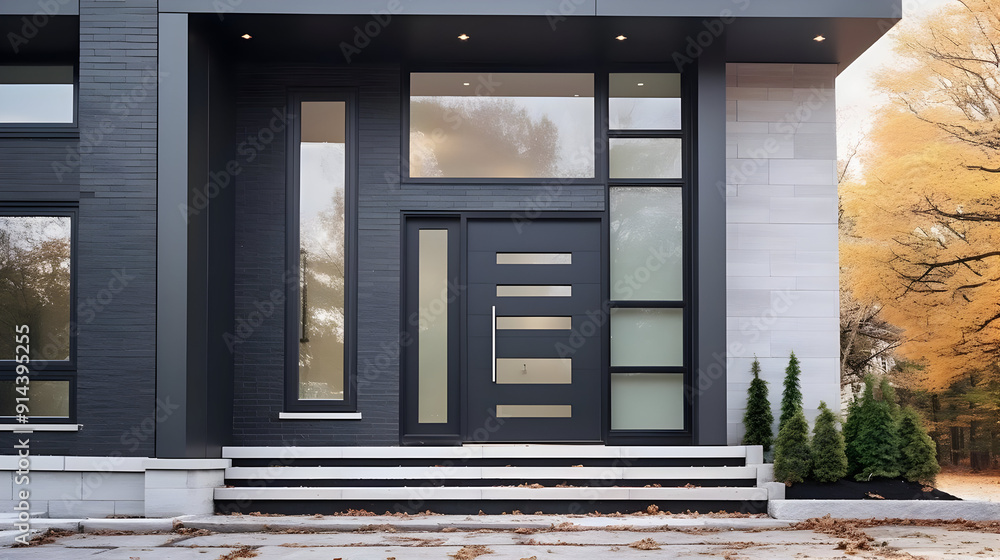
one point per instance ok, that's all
(856, 95)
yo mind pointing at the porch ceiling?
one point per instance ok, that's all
(533, 40)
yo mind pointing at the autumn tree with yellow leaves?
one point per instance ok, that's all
(922, 219)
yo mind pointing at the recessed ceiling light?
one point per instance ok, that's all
(463, 37)
(465, 83)
(246, 36)
(640, 84)
(621, 37)
(819, 38)
(576, 95)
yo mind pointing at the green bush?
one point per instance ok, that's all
(918, 460)
(850, 433)
(791, 397)
(792, 458)
(829, 459)
(758, 418)
(874, 445)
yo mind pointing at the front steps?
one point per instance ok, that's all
(493, 479)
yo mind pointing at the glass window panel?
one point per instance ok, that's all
(501, 125)
(36, 94)
(645, 158)
(534, 291)
(534, 258)
(534, 370)
(647, 240)
(35, 285)
(647, 337)
(534, 323)
(534, 411)
(647, 401)
(645, 101)
(45, 399)
(432, 338)
(322, 262)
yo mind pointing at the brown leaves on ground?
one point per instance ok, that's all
(850, 530)
(652, 509)
(469, 552)
(48, 537)
(645, 544)
(383, 528)
(241, 552)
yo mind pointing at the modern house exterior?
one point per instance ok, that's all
(241, 234)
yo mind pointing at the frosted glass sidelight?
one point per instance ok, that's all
(647, 240)
(645, 158)
(432, 340)
(647, 401)
(647, 337)
(322, 261)
(644, 101)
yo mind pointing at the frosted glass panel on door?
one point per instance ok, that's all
(647, 401)
(645, 158)
(432, 339)
(647, 239)
(644, 101)
(647, 337)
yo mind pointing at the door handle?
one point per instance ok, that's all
(494, 344)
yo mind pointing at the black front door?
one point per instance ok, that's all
(535, 327)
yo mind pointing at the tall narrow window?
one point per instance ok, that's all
(36, 314)
(321, 158)
(648, 315)
(37, 95)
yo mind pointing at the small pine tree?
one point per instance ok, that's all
(875, 446)
(829, 459)
(792, 457)
(791, 398)
(850, 433)
(758, 418)
(918, 461)
(889, 396)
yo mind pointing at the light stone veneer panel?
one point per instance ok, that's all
(782, 260)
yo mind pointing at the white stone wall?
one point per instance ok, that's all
(782, 261)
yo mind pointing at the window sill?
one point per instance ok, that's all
(319, 416)
(40, 427)
(69, 131)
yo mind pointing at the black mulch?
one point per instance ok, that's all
(844, 489)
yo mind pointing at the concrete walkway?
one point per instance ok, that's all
(507, 537)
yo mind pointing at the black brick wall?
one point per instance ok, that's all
(115, 182)
(260, 227)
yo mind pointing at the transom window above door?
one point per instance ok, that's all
(483, 125)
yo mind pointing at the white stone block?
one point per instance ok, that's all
(747, 171)
(806, 304)
(130, 507)
(747, 303)
(815, 146)
(736, 127)
(764, 146)
(206, 479)
(817, 283)
(761, 282)
(780, 94)
(806, 344)
(169, 502)
(786, 237)
(166, 479)
(745, 209)
(768, 111)
(75, 509)
(739, 345)
(803, 210)
(56, 485)
(744, 93)
(766, 190)
(803, 172)
(747, 263)
(113, 486)
(805, 263)
(7, 485)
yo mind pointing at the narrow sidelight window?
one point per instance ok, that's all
(37, 345)
(321, 171)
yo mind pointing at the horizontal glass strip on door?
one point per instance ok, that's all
(534, 370)
(534, 291)
(534, 258)
(534, 323)
(534, 411)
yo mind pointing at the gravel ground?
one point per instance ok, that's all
(970, 486)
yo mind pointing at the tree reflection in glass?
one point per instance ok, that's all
(35, 284)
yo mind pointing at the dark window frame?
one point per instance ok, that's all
(292, 401)
(48, 130)
(53, 370)
(686, 184)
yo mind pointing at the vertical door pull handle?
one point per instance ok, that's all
(494, 344)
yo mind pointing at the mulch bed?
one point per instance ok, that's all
(875, 489)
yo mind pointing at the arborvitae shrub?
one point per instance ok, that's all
(829, 459)
(792, 459)
(875, 445)
(918, 460)
(791, 397)
(758, 418)
(850, 434)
